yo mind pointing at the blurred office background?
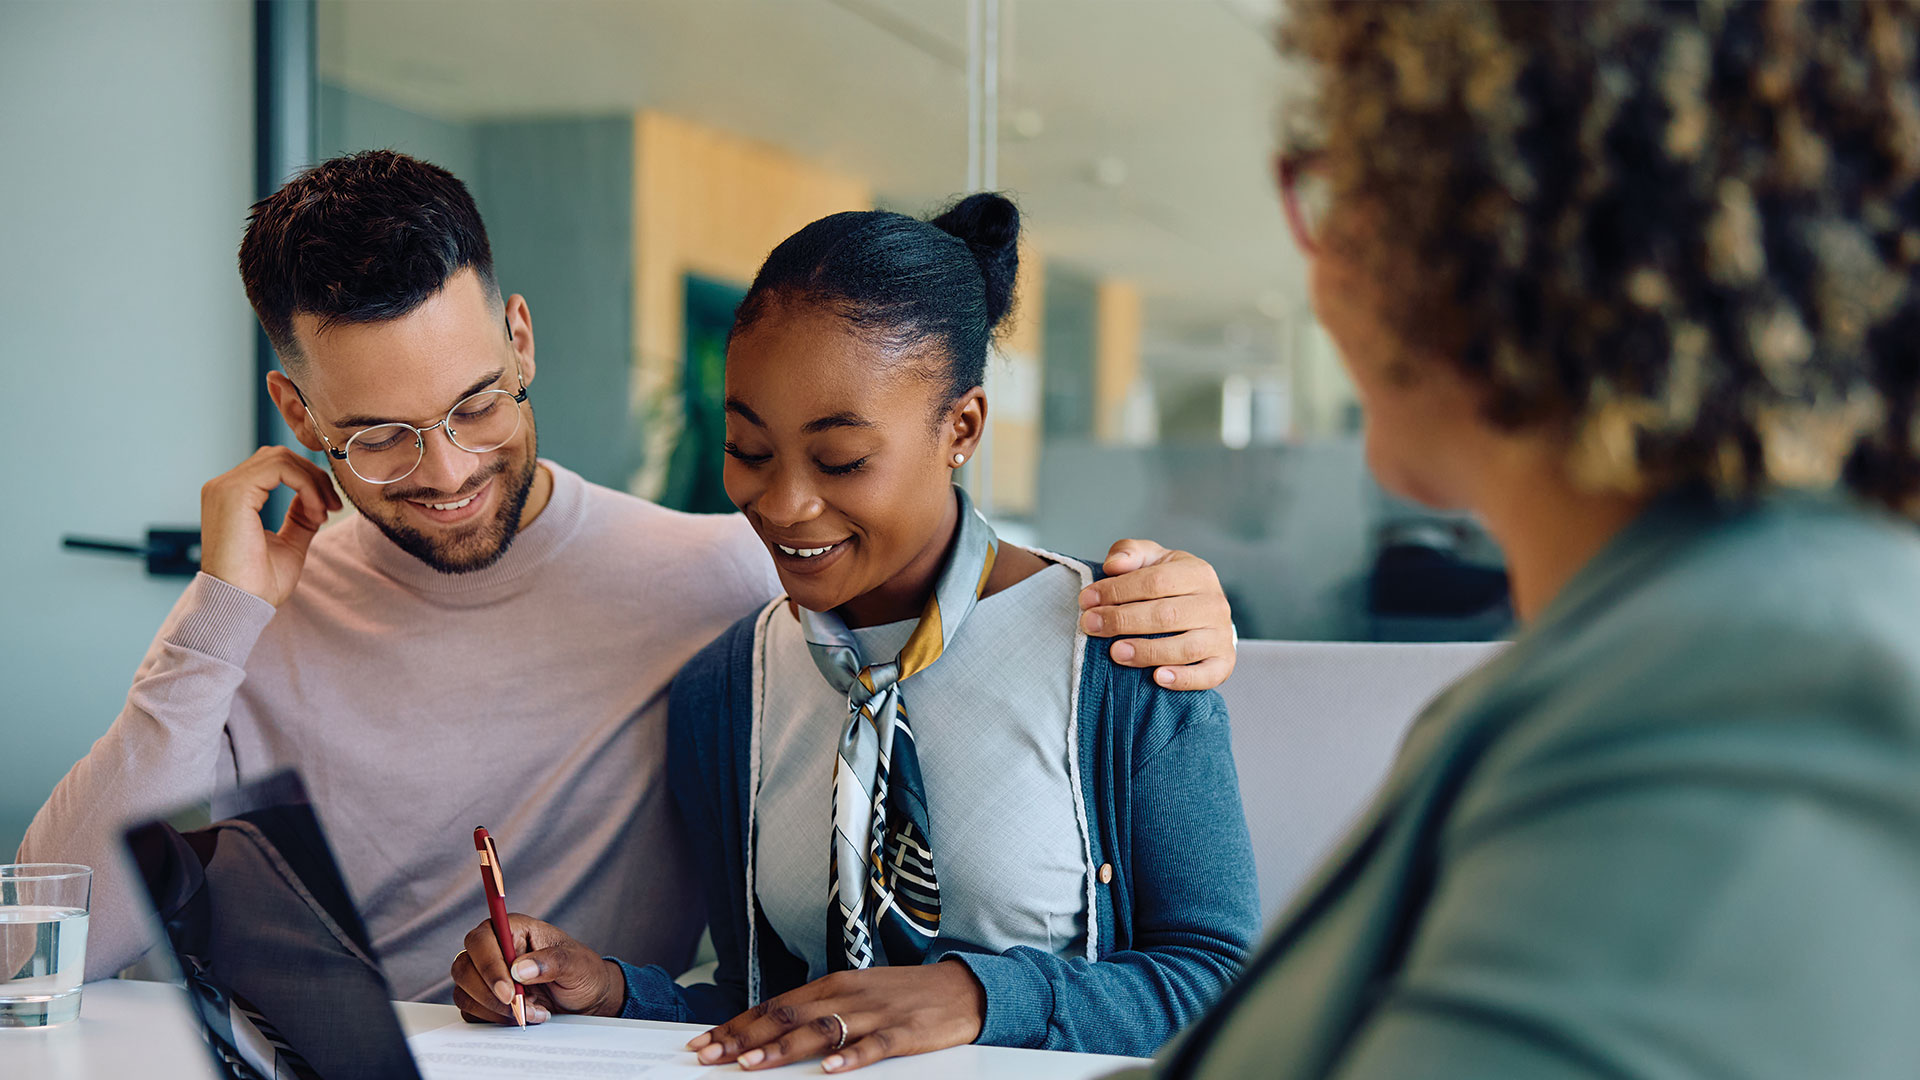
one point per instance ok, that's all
(634, 161)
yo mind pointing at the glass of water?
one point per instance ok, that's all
(43, 942)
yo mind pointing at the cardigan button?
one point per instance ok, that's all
(1106, 873)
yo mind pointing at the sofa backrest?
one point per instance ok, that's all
(1315, 727)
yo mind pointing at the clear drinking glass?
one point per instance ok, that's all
(43, 942)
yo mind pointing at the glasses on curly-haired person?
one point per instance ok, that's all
(1305, 195)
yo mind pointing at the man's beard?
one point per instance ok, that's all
(484, 544)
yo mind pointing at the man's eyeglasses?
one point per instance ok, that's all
(388, 453)
(1305, 195)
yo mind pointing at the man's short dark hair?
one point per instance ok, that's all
(356, 239)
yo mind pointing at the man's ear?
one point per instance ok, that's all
(966, 425)
(520, 326)
(287, 400)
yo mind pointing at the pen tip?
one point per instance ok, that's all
(520, 1009)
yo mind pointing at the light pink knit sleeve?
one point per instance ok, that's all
(167, 748)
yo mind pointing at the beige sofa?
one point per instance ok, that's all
(1315, 726)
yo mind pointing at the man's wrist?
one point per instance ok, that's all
(218, 620)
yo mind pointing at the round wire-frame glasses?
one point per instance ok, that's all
(1305, 196)
(389, 453)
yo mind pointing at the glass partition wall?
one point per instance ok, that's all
(1162, 376)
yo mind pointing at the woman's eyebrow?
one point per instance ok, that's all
(812, 427)
(738, 407)
(837, 420)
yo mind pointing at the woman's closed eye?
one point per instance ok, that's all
(733, 451)
(755, 460)
(841, 470)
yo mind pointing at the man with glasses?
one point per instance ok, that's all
(488, 641)
(384, 452)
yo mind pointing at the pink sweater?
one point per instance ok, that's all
(529, 697)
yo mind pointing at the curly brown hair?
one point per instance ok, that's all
(1686, 236)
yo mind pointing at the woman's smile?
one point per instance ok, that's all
(808, 560)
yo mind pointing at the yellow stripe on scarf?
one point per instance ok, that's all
(929, 638)
(993, 550)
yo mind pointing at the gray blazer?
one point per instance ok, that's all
(1673, 832)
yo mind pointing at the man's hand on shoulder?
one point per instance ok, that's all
(1151, 590)
(235, 548)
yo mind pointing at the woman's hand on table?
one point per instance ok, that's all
(560, 975)
(887, 1012)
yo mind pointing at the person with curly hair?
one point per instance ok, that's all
(1639, 285)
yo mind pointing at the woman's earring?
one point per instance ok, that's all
(959, 459)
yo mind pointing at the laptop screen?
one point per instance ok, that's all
(275, 956)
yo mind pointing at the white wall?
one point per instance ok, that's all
(126, 170)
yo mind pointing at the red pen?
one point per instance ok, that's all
(495, 883)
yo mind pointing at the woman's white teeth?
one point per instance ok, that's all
(806, 553)
(455, 505)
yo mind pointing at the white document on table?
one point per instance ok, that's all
(602, 1051)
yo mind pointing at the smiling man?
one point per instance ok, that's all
(489, 640)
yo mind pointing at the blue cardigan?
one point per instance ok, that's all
(1175, 922)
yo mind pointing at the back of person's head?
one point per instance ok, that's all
(934, 291)
(1684, 238)
(362, 238)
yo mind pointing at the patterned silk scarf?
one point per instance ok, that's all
(881, 868)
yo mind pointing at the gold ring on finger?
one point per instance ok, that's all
(842, 1040)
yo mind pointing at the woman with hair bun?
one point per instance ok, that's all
(932, 810)
(1639, 285)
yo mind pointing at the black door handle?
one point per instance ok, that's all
(169, 552)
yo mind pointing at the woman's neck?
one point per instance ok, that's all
(1548, 529)
(904, 595)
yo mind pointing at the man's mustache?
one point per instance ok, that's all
(430, 495)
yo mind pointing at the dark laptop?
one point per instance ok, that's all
(275, 956)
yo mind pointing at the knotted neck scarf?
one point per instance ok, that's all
(882, 868)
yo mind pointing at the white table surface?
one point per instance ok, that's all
(144, 1029)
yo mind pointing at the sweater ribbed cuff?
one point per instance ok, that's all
(218, 620)
(1019, 1005)
(651, 994)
